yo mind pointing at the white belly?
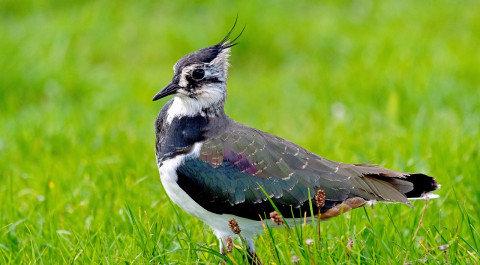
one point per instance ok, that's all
(218, 222)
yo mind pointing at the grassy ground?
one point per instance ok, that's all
(394, 81)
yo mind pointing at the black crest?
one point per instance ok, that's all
(225, 43)
(207, 54)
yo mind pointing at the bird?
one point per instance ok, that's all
(228, 174)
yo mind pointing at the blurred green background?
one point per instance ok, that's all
(393, 81)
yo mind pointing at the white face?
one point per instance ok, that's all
(203, 80)
(202, 88)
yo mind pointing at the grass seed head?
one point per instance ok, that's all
(349, 246)
(349, 243)
(234, 226)
(229, 244)
(443, 247)
(276, 218)
(320, 198)
(295, 259)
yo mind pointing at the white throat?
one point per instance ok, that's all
(208, 102)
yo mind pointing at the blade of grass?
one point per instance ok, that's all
(274, 206)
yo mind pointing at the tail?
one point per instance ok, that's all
(381, 184)
(405, 186)
(423, 185)
(372, 183)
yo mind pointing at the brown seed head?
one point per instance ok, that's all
(276, 218)
(349, 247)
(234, 226)
(349, 243)
(320, 198)
(229, 244)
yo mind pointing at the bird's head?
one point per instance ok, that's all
(200, 77)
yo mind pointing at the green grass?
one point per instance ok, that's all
(393, 81)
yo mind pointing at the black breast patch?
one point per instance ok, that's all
(180, 135)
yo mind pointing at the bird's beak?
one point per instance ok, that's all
(166, 91)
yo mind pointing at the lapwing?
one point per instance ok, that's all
(215, 168)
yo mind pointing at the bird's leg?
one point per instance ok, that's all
(222, 242)
(252, 256)
(253, 259)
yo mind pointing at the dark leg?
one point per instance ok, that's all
(252, 256)
(253, 259)
(222, 249)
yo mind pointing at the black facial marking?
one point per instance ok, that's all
(194, 84)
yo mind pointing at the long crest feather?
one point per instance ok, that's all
(225, 43)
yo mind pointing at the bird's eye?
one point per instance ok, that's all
(198, 74)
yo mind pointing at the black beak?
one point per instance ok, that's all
(166, 91)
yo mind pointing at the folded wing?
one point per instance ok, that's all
(227, 176)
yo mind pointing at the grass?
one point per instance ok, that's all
(394, 81)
